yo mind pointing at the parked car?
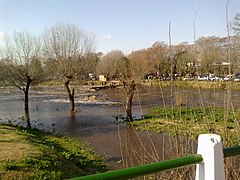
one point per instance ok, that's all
(203, 78)
(237, 79)
(216, 78)
(228, 77)
(167, 78)
(188, 79)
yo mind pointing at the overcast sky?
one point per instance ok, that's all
(121, 24)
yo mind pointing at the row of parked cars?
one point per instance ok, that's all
(235, 78)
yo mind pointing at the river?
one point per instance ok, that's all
(95, 121)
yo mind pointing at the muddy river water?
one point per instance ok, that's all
(95, 121)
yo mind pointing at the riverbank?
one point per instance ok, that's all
(156, 82)
(184, 125)
(195, 84)
(190, 122)
(32, 154)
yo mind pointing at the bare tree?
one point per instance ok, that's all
(235, 25)
(65, 47)
(109, 64)
(211, 55)
(158, 55)
(115, 65)
(89, 65)
(21, 58)
(137, 65)
(126, 76)
(183, 58)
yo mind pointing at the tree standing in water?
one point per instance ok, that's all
(21, 61)
(129, 70)
(116, 66)
(65, 48)
(136, 66)
(129, 88)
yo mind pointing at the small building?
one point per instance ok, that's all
(102, 78)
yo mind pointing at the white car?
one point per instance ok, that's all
(236, 79)
(188, 79)
(228, 78)
(203, 78)
(216, 78)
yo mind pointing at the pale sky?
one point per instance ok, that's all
(121, 24)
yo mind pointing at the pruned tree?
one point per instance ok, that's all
(65, 49)
(22, 66)
(116, 66)
(137, 65)
(126, 76)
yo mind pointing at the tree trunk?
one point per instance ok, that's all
(70, 96)
(129, 89)
(26, 104)
(129, 107)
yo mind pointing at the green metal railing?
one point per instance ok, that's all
(232, 151)
(136, 171)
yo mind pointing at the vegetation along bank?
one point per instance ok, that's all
(32, 154)
(190, 122)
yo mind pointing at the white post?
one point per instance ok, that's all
(212, 168)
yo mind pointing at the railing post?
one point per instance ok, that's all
(212, 168)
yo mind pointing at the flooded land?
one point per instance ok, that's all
(95, 122)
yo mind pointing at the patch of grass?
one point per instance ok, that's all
(195, 84)
(196, 114)
(191, 122)
(32, 154)
(9, 165)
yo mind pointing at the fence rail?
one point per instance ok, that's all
(232, 151)
(141, 170)
(145, 169)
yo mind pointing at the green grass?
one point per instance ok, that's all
(196, 84)
(32, 154)
(191, 122)
(178, 83)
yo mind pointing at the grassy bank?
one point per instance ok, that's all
(32, 154)
(177, 83)
(196, 84)
(184, 125)
(190, 122)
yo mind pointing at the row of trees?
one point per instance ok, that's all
(66, 53)
(209, 55)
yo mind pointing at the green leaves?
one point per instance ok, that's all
(9, 165)
(191, 122)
